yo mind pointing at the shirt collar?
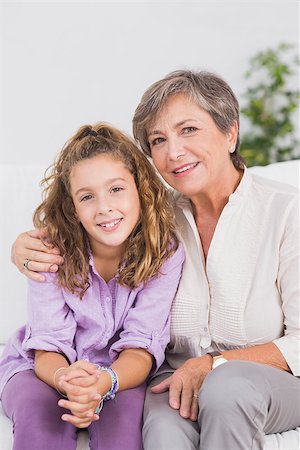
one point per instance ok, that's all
(92, 262)
(241, 192)
(243, 187)
(90, 256)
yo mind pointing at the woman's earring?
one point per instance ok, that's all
(231, 149)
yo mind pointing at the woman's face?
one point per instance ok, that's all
(188, 149)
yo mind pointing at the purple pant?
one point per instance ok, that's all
(32, 406)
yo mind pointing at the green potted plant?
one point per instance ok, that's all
(270, 107)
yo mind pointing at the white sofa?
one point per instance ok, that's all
(19, 194)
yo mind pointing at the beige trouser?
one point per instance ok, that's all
(239, 403)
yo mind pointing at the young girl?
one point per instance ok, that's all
(98, 327)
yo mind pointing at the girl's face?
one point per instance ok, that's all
(106, 202)
(188, 149)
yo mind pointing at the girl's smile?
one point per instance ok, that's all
(106, 201)
(111, 225)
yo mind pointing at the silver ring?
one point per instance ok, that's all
(195, 396)
(25, 263)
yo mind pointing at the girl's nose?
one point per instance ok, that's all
(104, 206)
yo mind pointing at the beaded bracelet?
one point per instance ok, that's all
(111, 393)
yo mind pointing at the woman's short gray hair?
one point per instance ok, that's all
(207, 90)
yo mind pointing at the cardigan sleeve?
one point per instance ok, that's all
(289, 287)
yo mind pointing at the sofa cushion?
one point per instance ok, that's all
(19, 195)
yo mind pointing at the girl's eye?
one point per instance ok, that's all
(188, 130)
(86, 197)
(117, 189)
(157, 141)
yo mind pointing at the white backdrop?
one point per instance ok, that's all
(63, 64)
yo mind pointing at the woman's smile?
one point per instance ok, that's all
(184, 169)
(188, 149)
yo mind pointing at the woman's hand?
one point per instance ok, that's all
(184, 386)
(42, 258)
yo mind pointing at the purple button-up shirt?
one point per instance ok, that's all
(108, 319)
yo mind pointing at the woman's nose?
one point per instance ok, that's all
(175, 148)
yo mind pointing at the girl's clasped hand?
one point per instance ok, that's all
(80, 382)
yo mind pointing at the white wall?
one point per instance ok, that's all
(63, 64)
(67, 63)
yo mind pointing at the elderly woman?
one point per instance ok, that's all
(232, 366)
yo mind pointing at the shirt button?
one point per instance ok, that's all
(107, 299)
(155, 333)
(205, 329)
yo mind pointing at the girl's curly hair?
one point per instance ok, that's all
(151, 242)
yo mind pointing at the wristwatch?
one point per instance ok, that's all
(217, 359)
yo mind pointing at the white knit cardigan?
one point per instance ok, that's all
(247, 293)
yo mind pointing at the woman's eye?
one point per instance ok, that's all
(86, 197)
(117, 189)
(157, 141)
(188, 130)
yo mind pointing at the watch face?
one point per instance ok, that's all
(217, 361)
